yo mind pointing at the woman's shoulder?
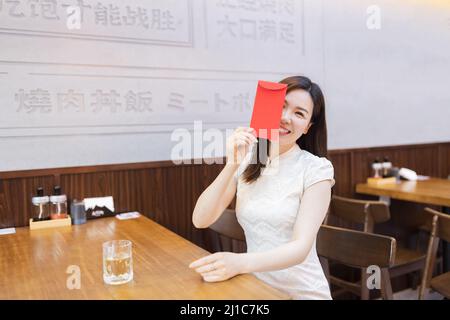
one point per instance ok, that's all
(315, 168)
(308, 159)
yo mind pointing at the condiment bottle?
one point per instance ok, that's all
(58, 204)
(40, 205)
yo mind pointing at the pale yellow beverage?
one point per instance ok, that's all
(118, 266)
(117, 262)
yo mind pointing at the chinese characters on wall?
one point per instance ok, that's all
(101, 13)
(161, 22)
(266, 21)
(42, 101)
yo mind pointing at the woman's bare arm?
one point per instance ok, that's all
(216, 198)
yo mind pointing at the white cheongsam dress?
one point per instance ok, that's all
(267, 210)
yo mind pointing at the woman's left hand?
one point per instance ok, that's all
(220, 266)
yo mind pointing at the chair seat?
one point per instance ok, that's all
(441, 284)
(407, 261)
(405, 256)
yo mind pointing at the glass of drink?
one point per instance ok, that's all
(117, 262)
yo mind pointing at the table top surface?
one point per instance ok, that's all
(34, 265)
(433, 191)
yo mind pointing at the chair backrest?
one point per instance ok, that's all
(360, 250)
(227, 225)
(442, 224)
(365, 212)
(438, 224)
(355, 248)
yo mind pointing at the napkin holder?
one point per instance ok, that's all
(99, 207)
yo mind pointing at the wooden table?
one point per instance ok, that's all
(33, 265)
(433, 191)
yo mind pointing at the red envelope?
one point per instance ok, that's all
(268, 108)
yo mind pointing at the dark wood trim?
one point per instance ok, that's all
(100, 168)
(442, 147)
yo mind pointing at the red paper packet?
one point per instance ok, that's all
(268, 109)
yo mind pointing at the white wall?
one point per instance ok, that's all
(388, 86)
(196, 69)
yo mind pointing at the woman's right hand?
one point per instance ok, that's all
(239, 143)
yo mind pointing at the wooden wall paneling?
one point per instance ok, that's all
(360, 166)
(139, 195)
(444, 160)
(124, 190)
(200, 178)
(446, 163)
(15, 199)
(424, 159)
(155, 183)
(427, 160)
(179, 198)
(342, 173)
(3, 205)
(87, 185)
(198, 183)
(148, 190)
(207, 174)
(363, 160)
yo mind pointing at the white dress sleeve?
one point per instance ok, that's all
(320, 169)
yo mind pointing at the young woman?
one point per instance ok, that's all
(280, 210)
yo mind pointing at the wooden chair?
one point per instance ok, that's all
(228, 226)
(368, 213)
(439, 229)
(359, 250)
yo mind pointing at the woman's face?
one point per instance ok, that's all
(296, 116)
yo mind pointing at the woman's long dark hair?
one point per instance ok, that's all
(315, 141)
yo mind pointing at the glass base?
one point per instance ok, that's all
(116, 280)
